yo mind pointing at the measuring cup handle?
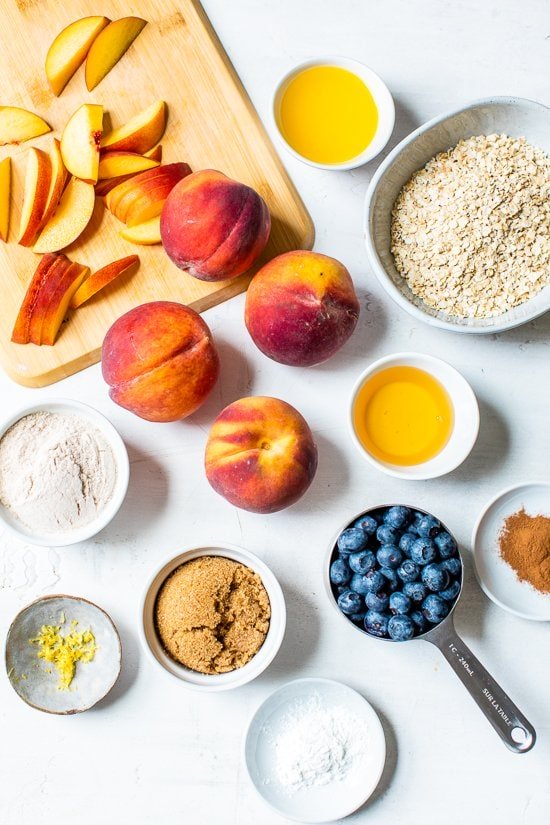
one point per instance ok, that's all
(511, 725)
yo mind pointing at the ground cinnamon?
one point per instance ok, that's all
(524, 543)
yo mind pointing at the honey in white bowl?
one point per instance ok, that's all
(402, 415)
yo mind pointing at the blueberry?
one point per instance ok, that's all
(375, 581)
(342, 588)
(389, 556)
(406, 542)
(446, 545)
(408, 571)
(399, 603)
(340, 572)
(370, 582)
(397, 516)
(352, 540)
(415, 591)
(350, 602)
(451, 592)
(387, 535)
(434, 608)
(428, 526)
(435, 577)
(390, 575)
(452, 566)
(367, 524)
(401, 628)
(419, 620)
(377, 601)
(362, 562)
(423, 551)
(357, 617)
(376, 623)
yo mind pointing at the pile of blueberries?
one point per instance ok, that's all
(396, 572)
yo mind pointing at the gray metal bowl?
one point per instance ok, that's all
(513, 116)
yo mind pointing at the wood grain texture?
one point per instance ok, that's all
(211, 124)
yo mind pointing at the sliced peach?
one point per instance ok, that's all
(109, 46)
(103, 187)
(66, 286)
(57, 183)
(155, 153)
(142, 197)
(69, 49)
(116, 164)
(45, 292)
(35, 197)
(5, 188)
(100, 278)
(80, 142)
(18, 125)
(21, 330)
(143, 233)
(70, 218)
(140, 133)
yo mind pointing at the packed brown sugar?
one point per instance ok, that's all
(212, 614)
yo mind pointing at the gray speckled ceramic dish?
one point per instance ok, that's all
(513, 116)
(28, 675)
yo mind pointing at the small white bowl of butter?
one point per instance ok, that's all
(64, 472)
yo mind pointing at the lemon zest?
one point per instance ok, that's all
(64, 652)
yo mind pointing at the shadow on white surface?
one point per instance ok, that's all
(130, 666)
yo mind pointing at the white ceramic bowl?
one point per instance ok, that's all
(380, 94)
(205, 682)
(465, 409)
(513, 116)
(496, 578)
(70, 407)
(317, 803)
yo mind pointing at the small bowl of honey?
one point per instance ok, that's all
(413, 416)
(333, 113)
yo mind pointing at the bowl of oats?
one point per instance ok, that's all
(457, 217)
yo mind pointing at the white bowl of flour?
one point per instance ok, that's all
(64, 472)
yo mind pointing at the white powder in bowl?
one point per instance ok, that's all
(317, 744)
(57, 472)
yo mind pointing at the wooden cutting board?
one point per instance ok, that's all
(211, 124)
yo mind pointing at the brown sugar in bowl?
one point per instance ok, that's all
(228, 630)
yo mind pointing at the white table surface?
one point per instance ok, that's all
(154, 753)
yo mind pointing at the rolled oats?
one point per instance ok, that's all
(470, 231)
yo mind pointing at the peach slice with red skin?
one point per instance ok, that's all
(260, 454)
(160, 361)
(103, 187)
(21, 330)
(146, 233)
(35, 197)
(214, 227)
(50, 294)
(5, 189)
(80, 142)
(67, 284)
(155, 153)
(58, 180)
(140, 133)
(69, 49)
(109, 46)
(70, 218)
(117, 164)
(18, 125)
(100, 278)
(142, 196)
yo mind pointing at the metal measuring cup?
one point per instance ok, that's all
(514, 729)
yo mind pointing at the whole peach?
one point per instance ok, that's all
(260, 454)
(160, 361)
(301, 307)
(214, 227)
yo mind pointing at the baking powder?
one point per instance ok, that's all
(317, 744)
(57, 472)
